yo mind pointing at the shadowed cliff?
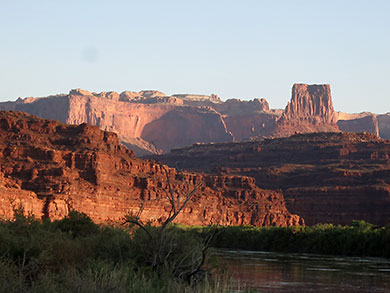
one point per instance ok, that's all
(325, 177)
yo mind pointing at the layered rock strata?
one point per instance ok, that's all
(51, 168)
(151, 122)
(145, 121)
(310, 110)
(325, 177)
(367, 123)
(384, 125)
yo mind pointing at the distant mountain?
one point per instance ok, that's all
(151, 122)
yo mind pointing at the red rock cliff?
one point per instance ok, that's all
(311, 103)
(325, 177)
(146, 120)
(367, 123)
(51, 168)
(310, 110)
(152, 122)
(384, 125)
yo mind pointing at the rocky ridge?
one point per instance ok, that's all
(148, 127)
(153, 122)
(325, 177)
(51, 168)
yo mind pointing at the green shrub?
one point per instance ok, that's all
(359, 239)
(76, 255)
(77, 225)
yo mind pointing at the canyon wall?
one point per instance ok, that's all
(151, 122)
(325, 177)
(51, 168)
(367, 123)
(144, 121)
(164, 125)
(384, 125)
(310, 103)
(310, 110)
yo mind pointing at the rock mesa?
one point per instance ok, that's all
(151, 122)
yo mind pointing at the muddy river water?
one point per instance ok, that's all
(282, 272)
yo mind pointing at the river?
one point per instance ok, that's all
(282, 272)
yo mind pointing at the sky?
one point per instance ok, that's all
(236, 49)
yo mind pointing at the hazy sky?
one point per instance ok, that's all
(242, 49)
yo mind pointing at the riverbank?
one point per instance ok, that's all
(76, 255)
(358, 239)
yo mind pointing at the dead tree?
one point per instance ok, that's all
(163, 241)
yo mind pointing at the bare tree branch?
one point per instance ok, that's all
(163, 242)
(171, 193)
(188, 196)
(206, 246)
(136, 222)
(141, 209)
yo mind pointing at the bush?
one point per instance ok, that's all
(359, 239)
(76, 255)
(77, 224)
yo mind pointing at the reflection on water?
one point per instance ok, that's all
(281, 272)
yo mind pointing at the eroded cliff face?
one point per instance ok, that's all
(164, 125)
(325, 177)
(312, 103)
(384, 125)
(148, 121)
(368, 123)
(310, 110)
(51, 168)
(151, 122)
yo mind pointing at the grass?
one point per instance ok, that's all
(358, 239)
(76, 255)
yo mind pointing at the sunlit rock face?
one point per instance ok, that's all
(312, 103)
(151, 122)
(51, 168)
(310, 110)
(147, 121)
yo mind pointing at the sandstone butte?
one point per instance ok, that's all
(151, 122)
(51, 168)
(324, 177)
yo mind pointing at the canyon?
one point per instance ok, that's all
(151, 122)
(305, 164)
(324, 177)
(49, 169)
